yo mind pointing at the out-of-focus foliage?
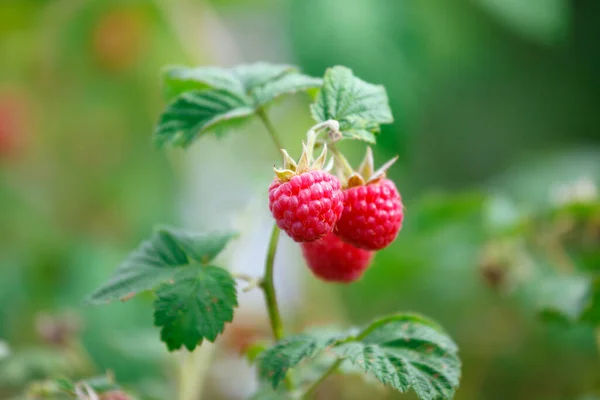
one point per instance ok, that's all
(495, 105)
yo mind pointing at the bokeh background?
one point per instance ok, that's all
(496, 102)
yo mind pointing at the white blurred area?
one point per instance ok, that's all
(225, 187)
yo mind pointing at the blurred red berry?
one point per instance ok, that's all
(331, 259)
(114, 395)
(12, 125)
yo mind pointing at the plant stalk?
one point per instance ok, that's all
(313, 388)
(268, 287)
(265, 119)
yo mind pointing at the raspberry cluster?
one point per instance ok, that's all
(339, 230)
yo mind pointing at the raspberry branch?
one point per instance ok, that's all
(268, 287)
(267, 123)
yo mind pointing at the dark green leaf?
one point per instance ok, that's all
(215, 99)
(193, 113)
(195, 306)
(158, 259)
(403, 351)
(358, 106)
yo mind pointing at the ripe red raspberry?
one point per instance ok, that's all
(333, 260)
(372, 215)
(307, 206)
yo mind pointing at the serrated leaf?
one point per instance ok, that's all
(358, 106)
(195, 306)
(408, 353)
(403, 351)
(214, 99)
(565, 297)
(158, 259)
(275, 362)
(193, 113)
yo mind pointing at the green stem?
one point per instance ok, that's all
(267, 283)
(341, 161)
(313, 388)
(268, 287)
(597, 332)
(265, 119)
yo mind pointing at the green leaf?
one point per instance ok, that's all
(591, 313)
(196, 112)
(195, 306)
(404, 351)
(407, 352)
(177, 80)
(358, 106)
(275, 362)
(209, 98)
(158, 259)
(565, 297)
(287, 84)
(254, 75)
(266, 393)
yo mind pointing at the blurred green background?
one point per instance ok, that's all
(495, 102)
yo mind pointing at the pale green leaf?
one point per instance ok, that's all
(358, 106)
(407, 352)
(254, 75)
(193, 113)
(195, 306)
(275, 362)
(565, 297)
(287, 84)
(266, 393)
(177, 80)
(403, 351)
(157, 260)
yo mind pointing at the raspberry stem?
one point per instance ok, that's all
(311, 390)
(265, 119)
(341, 162)
(269, 288)
(267, 283)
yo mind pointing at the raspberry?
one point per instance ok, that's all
(372, 215)
(307, 206)
(334, 260)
